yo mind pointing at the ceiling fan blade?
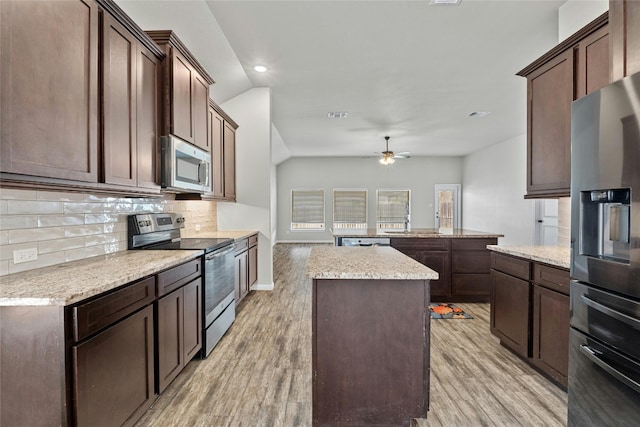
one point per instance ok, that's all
(402, 155)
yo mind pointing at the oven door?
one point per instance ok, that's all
(219, 282)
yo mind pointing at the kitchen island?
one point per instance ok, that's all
(370, 336)
(460, 257)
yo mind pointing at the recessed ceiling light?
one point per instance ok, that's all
(337, 115)
(260, 68)
(479, 113)
(444, 2)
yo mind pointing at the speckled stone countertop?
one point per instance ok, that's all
(416, 232)
(223, 234)
(559, 256)
(379, 263)
(71, 282)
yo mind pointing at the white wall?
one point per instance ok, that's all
(493, 192)
(419, 174)
(575, 14)
(252, 111)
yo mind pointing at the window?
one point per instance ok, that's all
(393, 209)
(307, 209)
(349, 209)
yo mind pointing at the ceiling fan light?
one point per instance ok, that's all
(390, 160)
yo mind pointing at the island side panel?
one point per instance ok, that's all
(32, 366)
(370, 352)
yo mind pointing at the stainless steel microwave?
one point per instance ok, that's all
(184, 167)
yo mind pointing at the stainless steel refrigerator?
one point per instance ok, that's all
(604, 343)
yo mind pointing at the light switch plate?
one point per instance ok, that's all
(25, 255)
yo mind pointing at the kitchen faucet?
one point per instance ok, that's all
(407, 218)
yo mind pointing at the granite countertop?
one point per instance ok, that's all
(559, 256)
(222, 234)
(417, 232)
(71, 282)
(380, 263)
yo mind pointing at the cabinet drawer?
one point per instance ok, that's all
(429, 244)
(511, 265)
(242, 245)
(253, 240)
(553, 278)
(95, 315)
(472, 244)
(471, 262)
(177, 276)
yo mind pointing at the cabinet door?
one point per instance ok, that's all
(181, 107)
(192, 319)
(217, 153)
(551, 91)
(253, 266)
(147, 118)
(440, 262)
(49, 89)
(170, 338)
(510, 311)
(624, 16)
(119, 104)
(200, 112)
(242, 278)
(229, 142)
(593, 62)
(114, 373)
(551, 332)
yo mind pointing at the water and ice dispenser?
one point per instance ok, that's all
(605, 224)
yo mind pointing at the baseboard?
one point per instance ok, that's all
(262, 287)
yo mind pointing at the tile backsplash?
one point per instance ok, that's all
(564, 221)
(69, 226)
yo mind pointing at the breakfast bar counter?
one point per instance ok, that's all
(370, 323)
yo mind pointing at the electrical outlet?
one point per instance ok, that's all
(25, 255)
(197, 227)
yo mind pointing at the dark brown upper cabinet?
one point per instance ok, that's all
(78, 108)
(49, 89)
(577, 66)
(130, 105)
(184, 87)
(624, 20)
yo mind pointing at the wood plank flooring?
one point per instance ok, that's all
(260, 372)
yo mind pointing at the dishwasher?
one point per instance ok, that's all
(364, 241)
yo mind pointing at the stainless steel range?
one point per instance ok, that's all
(161, 231)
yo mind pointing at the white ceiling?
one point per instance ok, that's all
(399, 68)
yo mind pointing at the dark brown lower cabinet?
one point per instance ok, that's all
(179, 331)
(370, 352)
(510, 311)
(551, 333)
(246, 266)
(114, 373)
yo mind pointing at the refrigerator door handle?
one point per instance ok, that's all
(631, 321)
(592, 355)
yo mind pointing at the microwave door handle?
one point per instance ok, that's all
(593, 354)
(203, 178)
(631, 321)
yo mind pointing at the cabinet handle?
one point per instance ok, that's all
(593, 355)
(632, 321)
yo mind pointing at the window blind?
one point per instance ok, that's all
(307, 209)
(350, 208)
(392, 209)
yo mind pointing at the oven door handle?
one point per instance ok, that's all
(631, 321)
(593, 356)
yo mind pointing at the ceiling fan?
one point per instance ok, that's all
(388, 157)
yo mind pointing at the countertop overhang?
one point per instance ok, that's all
(431, 233)
(558, 256)
(373, 263)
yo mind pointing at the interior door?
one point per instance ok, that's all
(546, 226)
(447, 206)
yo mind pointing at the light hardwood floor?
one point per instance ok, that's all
(260, 372)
